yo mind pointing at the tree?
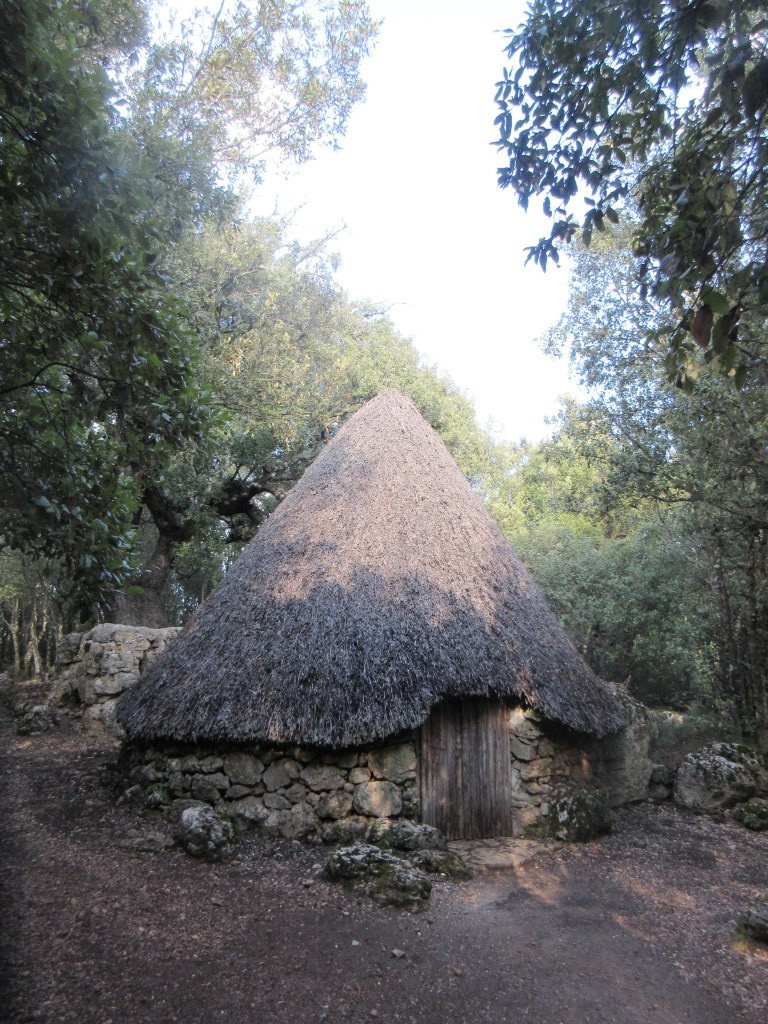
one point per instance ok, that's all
(620, 572)
(667, 104)
(97, 379)
(237, 83)
(699, 455)
(92, 361)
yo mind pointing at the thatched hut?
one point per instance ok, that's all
(368, 654)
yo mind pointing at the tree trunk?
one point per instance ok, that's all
(13, 625)
(142, 605)
(34, 658)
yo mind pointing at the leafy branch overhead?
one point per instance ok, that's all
(664, 106)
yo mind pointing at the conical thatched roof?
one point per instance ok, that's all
(379, 586)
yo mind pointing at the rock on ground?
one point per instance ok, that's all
(719, 776)
(386, 878)
(753, 815)
(205, 833)
(440, 862)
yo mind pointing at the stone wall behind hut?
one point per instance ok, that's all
(95, 667)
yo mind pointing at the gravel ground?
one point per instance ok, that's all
(638, 928)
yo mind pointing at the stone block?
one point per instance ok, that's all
(250, 809)
(236, 792)
(280, 774)
(535, 770)
(85, 691)
(322, 778)
(345, 830)
(195, 765)
(358, 775)
(521, 750)
(378, 799)
(334, 805)
(209, 787)
(303, 754)
(150, 774)
(524, 725)
(342, 759)
(118, 661)
(179, 784)
(393, 763)
(271, 825)
(243, 769)
(298, 822)
(68, 649)
(109, 719)
(276, 802)
(107, 686)
(411, 803)
(296, 793)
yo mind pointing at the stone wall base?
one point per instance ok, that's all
(547, 759)
(289, 791)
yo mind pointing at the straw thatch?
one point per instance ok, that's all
(379, 586)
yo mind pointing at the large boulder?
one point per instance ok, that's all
(205, 833)
(719, 776)
(387, 879)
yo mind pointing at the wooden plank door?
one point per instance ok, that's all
(466, 789)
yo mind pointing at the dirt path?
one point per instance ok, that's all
(636, 929)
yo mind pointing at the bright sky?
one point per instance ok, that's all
(427, 232)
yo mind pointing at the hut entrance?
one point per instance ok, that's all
(466, 788)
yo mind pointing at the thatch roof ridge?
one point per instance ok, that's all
(379, 586)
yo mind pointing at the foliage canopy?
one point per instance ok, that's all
(115, 148)
(666, 103)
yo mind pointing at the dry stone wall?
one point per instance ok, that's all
(94, 668)
(294, 792)
(547, 759)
